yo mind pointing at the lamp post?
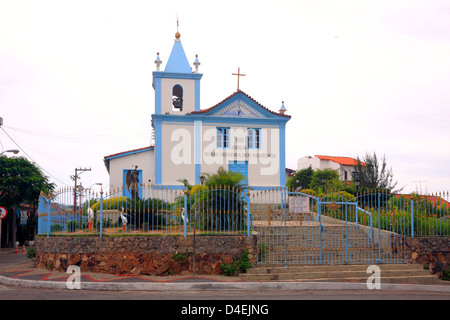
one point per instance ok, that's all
(15, 151)
(357, 184)
(356, 180)
(324, 180)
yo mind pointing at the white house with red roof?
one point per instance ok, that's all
(238, 134)
(344, 165)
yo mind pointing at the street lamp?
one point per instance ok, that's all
(356, 180)
(357, 184)
(323, 184)
(15, 151)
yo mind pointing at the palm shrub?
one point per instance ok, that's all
(150, 211)
(219, 202)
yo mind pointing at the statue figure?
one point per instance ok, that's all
(133, 183)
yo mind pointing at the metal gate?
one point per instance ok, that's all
(298, 228)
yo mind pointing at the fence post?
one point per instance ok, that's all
(101, 212)
(49, 210)
(412, 218)
(379, 227)
(185, 214)
(248, 212)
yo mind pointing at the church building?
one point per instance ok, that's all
(238, 134)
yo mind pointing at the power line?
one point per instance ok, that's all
(85, 138)
(32, 158)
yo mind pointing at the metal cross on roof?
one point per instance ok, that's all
(239, 74)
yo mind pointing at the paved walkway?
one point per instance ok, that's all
(17, 270)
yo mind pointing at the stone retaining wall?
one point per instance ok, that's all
(141, 255)
(432, 252)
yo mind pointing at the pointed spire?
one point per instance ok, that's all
(177, 60)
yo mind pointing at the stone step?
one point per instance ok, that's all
(323, 268)
(327, 258)
(389, 273)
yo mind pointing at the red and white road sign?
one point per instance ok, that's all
(3, 212)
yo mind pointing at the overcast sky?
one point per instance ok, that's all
(356, 76)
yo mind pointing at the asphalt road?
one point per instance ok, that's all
(223, 304)
(22, 293)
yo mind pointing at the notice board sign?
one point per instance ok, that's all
(299, 204)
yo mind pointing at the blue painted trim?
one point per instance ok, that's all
(221, 120)
(282, 155)
(157, 86)
(197, 94)
(129, 153)
(158, 153)
(264, 187)
(181, 187)
(176, 75)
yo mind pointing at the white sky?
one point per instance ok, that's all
(356, 76)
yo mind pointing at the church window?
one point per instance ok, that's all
(177, 97)
(222, 137)
(253, 138)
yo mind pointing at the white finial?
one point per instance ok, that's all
(283, 108)
(196, 63)
(157, 61)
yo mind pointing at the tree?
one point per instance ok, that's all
(225, 178)
(21, 182)
(301, 178)
(325, 180)
(373, 174)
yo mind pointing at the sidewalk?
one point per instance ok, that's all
(18, 270)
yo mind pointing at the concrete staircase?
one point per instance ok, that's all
(303, 240)
(389, 273)
(329, 251)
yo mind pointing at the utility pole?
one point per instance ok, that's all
(75, 178)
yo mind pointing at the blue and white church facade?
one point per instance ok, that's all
(238, 134)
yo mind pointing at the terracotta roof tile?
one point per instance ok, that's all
(345, 161)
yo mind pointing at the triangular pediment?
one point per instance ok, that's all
(240, 105)
(238, 108)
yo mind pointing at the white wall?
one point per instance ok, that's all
(144, 160)
(178, 153)
(318, 164)
(167, 85)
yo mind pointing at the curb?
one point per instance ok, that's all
(208, 286)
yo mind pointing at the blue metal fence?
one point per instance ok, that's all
(291, 227)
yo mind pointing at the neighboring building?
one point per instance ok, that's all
(344, 165)
(238, 134)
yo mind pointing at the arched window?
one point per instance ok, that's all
(177, 97)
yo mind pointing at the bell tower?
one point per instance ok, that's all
(177, 88)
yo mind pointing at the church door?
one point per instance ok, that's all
(240, 167)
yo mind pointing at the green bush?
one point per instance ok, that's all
(31, 252)
(239, 265)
